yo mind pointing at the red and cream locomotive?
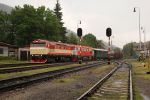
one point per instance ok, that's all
(45, 51)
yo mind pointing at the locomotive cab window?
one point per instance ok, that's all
(38, 44)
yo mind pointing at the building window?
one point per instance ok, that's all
(1, 51)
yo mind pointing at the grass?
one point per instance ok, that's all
(10, 60)
(139, 71)
(136, 92)
(23, 66)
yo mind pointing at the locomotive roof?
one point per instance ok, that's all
(51, 42)
(58, 43)
(100, 49)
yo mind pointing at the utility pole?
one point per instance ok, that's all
(139, 24)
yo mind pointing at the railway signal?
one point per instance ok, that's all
(79, 32)
(108, 34)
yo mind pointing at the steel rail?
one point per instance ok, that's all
(130, 97)
(131, 85)
(20, 64)
(26, 68)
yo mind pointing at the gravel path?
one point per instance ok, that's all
(67, 87)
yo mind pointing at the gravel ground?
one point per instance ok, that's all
(67, 87)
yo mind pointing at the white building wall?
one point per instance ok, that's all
(5, 51)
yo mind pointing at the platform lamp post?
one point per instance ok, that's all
(108, 34)
(79, 33)
(139, 24)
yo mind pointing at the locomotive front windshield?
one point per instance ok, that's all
(38, 45)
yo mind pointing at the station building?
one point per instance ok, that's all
(7, 50)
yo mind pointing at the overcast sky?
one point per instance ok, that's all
(97, 15)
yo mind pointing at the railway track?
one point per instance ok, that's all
(27, 68)
(116, 85)
(13, 83)
(27, 64)
(20, 64)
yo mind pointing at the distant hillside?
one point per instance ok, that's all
(5, 8)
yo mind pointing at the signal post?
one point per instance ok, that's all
(108, 34)
(79, 33)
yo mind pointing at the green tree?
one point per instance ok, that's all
(100, 44)
(57, 11)
(72, 38)
(28, 23)
(52, 27)
(23, 24)
(4, 26)
(128, 50)
(116, 49)
(89, 40)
